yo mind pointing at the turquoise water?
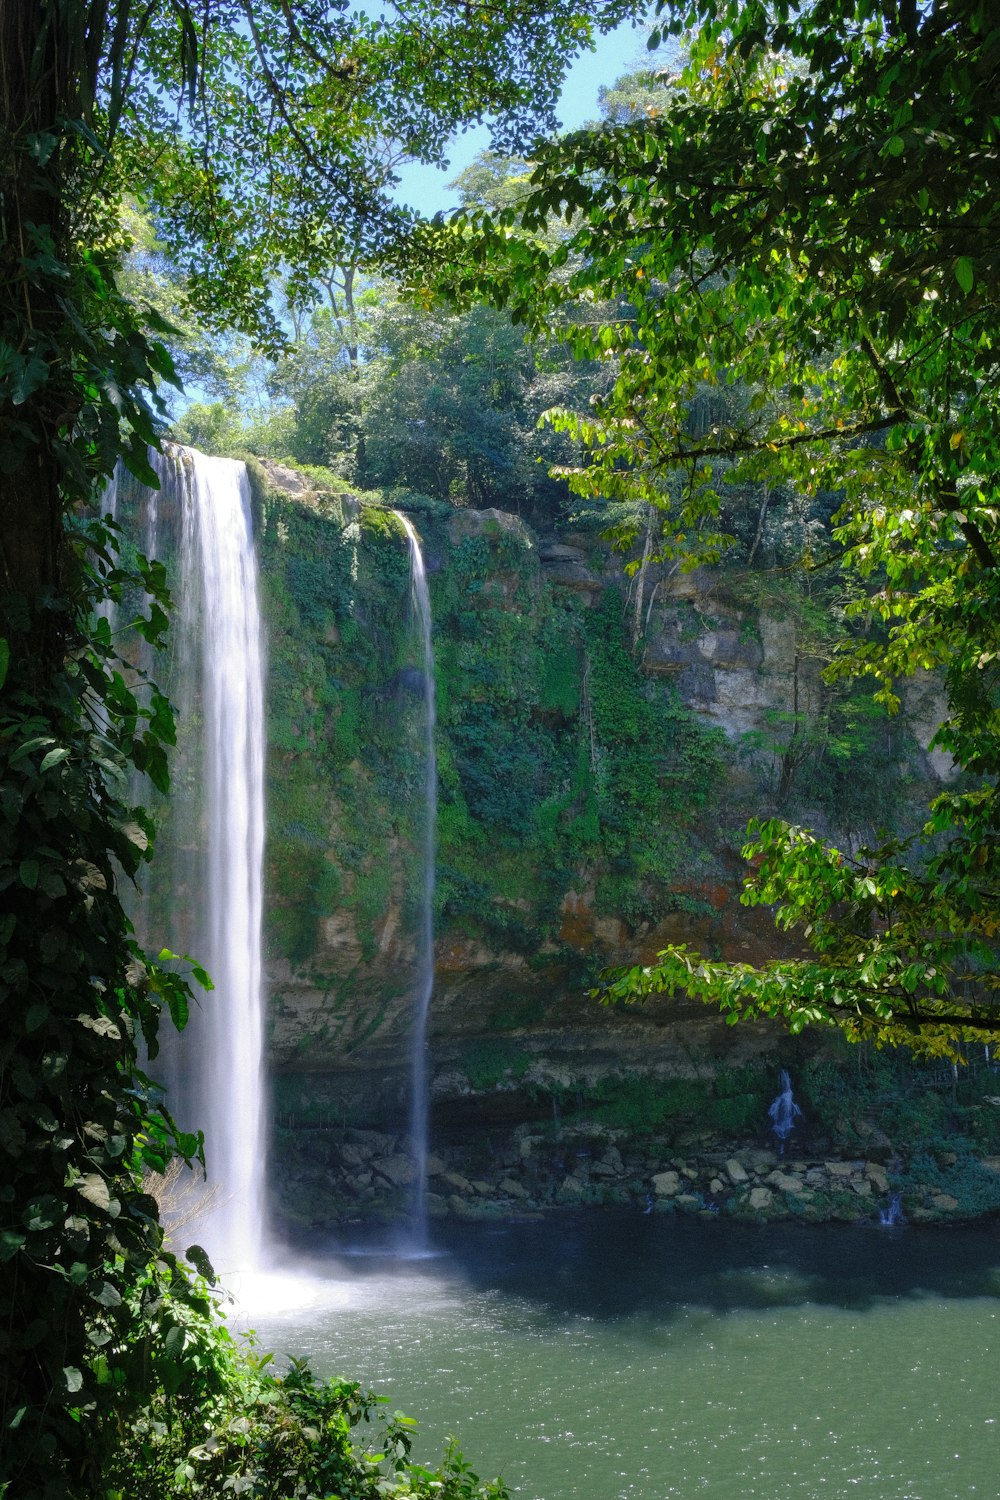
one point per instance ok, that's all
(638, 1358)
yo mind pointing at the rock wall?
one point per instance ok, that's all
(593, 796)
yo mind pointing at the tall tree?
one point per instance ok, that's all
(810, 209)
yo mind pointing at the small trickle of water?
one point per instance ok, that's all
(421, 605)
(892, 1216)
(784, 1111)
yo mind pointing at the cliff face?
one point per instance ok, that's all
(601, 739)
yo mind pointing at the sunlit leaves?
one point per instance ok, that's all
(819, 228)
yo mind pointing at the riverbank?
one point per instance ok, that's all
(330, 1177)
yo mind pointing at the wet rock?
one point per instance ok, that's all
(570, 1190)
(878, 1176)
(397, 1170)
(512, 1189)
(666, 1184)
(736, 1172)
(785, 1182)
(372, 1142)
(761, 1198)
(456, 1182)
(944, 1202)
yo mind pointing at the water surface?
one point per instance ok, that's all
(638, 1358)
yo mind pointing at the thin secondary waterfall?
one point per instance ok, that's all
(421, 604)
(216, 831)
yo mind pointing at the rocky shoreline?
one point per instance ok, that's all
(337, 1176)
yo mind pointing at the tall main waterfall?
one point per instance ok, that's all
(421, 604)
(216, 834)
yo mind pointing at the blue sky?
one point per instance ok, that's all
(426, 188)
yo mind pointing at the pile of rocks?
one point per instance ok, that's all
(363, 1173)
(758, 1183)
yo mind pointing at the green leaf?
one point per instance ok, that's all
(198, 1258)
(93, 1187)
(29, 873)
(11, 1241)
(4, 660)
(28, 376)
(72, 1379)
(106, 1295)
(53, 758)
(965, 274)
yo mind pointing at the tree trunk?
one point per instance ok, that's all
(32, 98)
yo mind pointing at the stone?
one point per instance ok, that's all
(372, 1142)
(944, 1202)
(666, 1184)
(398, 1170)
(761, 1161)
(862, 1187)
(484, 1189)
(839, 1168)
(353, 1156)
(736, 1172)
(688, 1200)
(785, 1182)
(456, 1182)
(435, 1166)
(761, 1198)
(877, 1175)
(716, 1186)
(570, 1190)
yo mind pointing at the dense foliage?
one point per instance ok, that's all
(808, 210)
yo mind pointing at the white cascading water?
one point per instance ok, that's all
(421, 605)
(217, 821)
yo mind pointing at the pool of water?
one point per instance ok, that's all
(640, 1358)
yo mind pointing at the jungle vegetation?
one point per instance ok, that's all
(802, 217)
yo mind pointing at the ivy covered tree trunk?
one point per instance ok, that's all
(32, 97)
(76, 1232)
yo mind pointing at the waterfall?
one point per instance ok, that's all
(784, 1112)
(421, 606)
(215, 835)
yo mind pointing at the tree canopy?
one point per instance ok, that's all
(807, 210)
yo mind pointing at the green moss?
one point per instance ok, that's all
(493, 1061)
